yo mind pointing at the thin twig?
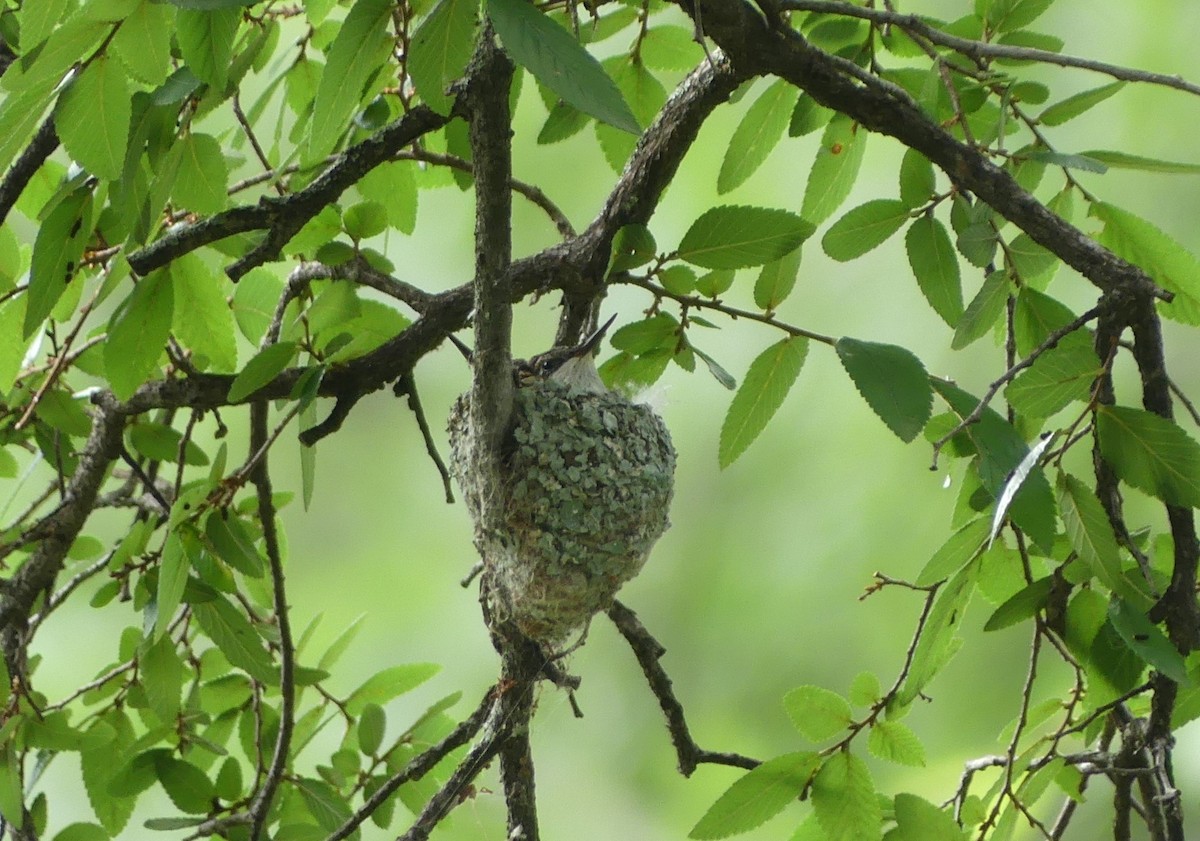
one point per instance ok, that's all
(407, 386)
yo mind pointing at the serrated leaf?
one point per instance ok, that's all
(984, 310)
(206, 38)
(844, 800)
(757, 797)
(232, 544)
(559, 62)
(1021, 605)
(962, 546)
(935, 265)
(390, 683)
(189, 788)
(834, 169)
(143, 42)
(1060, 376)
(917, 181)
(1091, 536)
(1073, 106)
(100, 765)
(1001, 450)
(260, 370)
(864, 228)
(1168, 263)
(92, 118)
(202, 175)
(57, 250)
(920, 820)
(767, 382)
(734, 237)
(817, 712)
(940, 640)
(865, 689)
(893, 382)
(1147, 641)
(1151, 453)
(895, 741)
(364, 219)
(339, 645)
(82, 831)
(323, 802)
(760, 130)
(1125, 160)
(203, 321)
(632, 246)
(670, 48)
(137, 333)
(361, 46)
(254, 300)
(440, 50)
(232, 632)
(161, 674)
(776, 281)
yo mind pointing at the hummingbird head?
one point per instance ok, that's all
(572, 366)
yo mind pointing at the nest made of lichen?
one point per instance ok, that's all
(587, 486)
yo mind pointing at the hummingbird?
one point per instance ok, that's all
(572, 366)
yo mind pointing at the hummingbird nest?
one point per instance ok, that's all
(587, 481)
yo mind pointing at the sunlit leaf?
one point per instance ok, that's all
(843, 797)
(93, 117)
(834, 170)
(137, 333)
(767, 382)
(758, 796)
(260, 370)
(734, 237)
(760, 130)
(817, 713)
(895, 741)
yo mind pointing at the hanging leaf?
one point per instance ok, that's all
(390, 683)
(758, 796)
(767, 382)
(261, 370)
(440, 50)
(559, 62)
(893, 382)
(920, 820)
(895, 741)
(232, 632)
(844, 799)
(984, 310)
(1124, 160)
(757, 134)
(137, 333)
(57, 250)
(203, 321)
(353, 58)
(734, 237)
(1147, 641)
(206, 39)
(1073, 106)
(834, 170)
(917, 181)
(143, 42)
(776, 280)
(939, 641)
(935, 266)
(1151, 453)
(1059, 377)
(200, 181)
(962, 546)
(93, 116)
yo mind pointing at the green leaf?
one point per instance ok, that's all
(670, 48)
(92, 118)
(232, 544)
(260, 370)
(719, 374)
(559, 62)
(834, 170)
(962, 546)
(767, 382)
(390, 683)
(757, 134)
(203, 321)
(1060, 376)
(940, 641)
(324, 803)
(984, 310)
(843, 797)
(11, 795)
(632, 246)
(371, 726)
(200, 181)
(1037, 315)
(1073, 106)
(82, 832)
(188, 787)
(917, 181)
(1091, 536)
(758, 796)
(206, 39)
(1022, 605)
(1066, 160)
(920, 820)
(678, 280)
(161, 442)
(734, 237)
(864, 228)
(360, 48)
(101, 765)
(1001, 450)
(936, 266)
(895, 741)
(364, 219)
(375, 324)
(1151, 453)
(254, 300)
(1124, 160)
(137, 332)
(715, 283)
(160, 672)
(645, 95)
(57, 250)
(865, 689)
(143, 42)
(232, 632)
(808, 116)
(440, 50)
(817, 712)
(173, 571)
(1147, 641)
(893, 382)
(776, 281)
(339, 645)
(658, 331)
(1167, 262)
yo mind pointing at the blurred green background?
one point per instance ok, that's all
(755, 588)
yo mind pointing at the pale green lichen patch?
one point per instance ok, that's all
(587, 486)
